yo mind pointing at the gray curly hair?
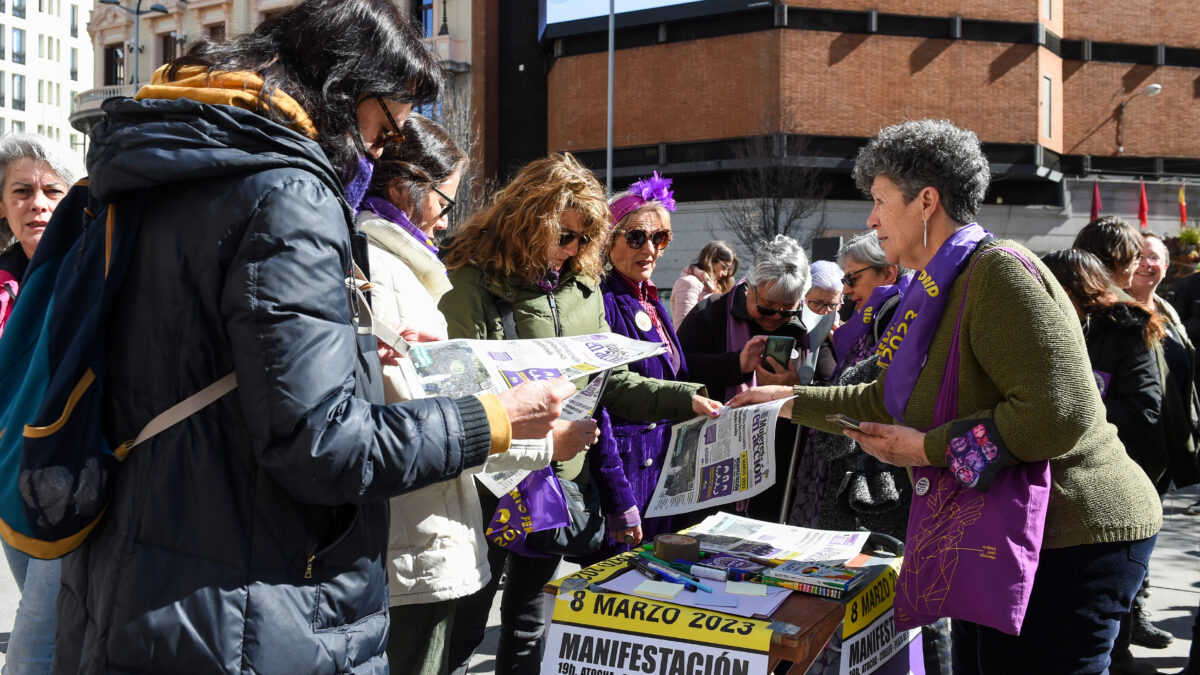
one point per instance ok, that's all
(782, 263)
(61, 160)
(866, 249)
(928, 153)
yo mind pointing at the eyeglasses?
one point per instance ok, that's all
(823, 307)
(567, 236)
(771, 311)
(848, 278)
(450, 204)
(393, 136)
(636, 239)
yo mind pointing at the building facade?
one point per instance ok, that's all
(45, 60)
(1061, 92)
(161, 32)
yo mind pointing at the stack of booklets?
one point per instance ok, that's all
(829, 581)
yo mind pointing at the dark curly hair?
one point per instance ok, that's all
(329, 55)
(928, 153)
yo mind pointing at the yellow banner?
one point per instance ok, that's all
(630, 614)
(873, 600)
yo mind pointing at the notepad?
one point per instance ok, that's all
(659, 589)
(745, 588)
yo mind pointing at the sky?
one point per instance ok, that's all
(558, 11)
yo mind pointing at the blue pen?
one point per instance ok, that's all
(673, 576)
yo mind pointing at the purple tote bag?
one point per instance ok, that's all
(969, 554)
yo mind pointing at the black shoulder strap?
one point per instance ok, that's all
(506, 319)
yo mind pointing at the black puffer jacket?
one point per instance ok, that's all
(251, 537)
(1116, 342)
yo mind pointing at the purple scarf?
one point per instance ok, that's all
(388, 211)
(357, 187)
(737, 334)
(864, 317)
(905, 346)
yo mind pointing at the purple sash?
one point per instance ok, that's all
(864, 317)
(388, 211)
(737, 334)
(536, 504)
(905, 346)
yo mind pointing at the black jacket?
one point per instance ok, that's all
(250, 538)
(1116, 341)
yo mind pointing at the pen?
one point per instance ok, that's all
(674, 576)
(646, 570)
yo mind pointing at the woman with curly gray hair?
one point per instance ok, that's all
(985, 367)
(724, 338)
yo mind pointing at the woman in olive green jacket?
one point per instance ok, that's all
(538, 249)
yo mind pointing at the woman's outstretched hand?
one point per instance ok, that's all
(704, 406)
(764, 394)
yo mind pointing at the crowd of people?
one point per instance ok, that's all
(326, 518)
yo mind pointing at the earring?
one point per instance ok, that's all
(925, 234)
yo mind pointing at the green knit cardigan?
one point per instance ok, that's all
(1024, 364)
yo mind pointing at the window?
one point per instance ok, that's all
(41, 46)
(18, 45)
(1, 91)
(1047, 106)
(114, 65)
(167, 47)
(18, 92)
(41, 5)
(425, 16)
(74, 20)
(1, 125)
(57, 94)
(18, 7)
(18, 126)
(216, 32)
(2, 33)
(74, 64)
(71, 101)
(41, 89)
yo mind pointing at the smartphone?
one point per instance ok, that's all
(779, 347)
(844, 421)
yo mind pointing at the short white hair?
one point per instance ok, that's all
(826, 275)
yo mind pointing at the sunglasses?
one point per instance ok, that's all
(848, 278)
(394, 136)
(567, 236)
(636, 239)
(449, 203)
(770, 311)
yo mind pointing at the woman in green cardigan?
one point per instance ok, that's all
(1023, 373)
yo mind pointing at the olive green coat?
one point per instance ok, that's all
(576, 307)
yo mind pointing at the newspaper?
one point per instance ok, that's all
(775, 543)
(714, 461)
(464, 367)
(580, 406)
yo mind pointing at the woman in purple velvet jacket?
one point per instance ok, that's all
(627, 460)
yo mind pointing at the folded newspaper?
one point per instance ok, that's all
(775, 543)
(714, 461)
(465, 367)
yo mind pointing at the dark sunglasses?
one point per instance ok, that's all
(567, 236)
(770, 311)
(449, 202)
(637, 238)
(394, 136)
(848, 278)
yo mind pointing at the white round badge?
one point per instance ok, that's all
(922, 486)
(642, 320)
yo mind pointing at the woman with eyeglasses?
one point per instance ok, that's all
(627, 462)
(724, 338)
(536, 253)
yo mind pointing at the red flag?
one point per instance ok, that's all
(1182, 208)
(1095, 201)
(1143, 208)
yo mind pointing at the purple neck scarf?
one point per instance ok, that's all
(388, 211)
(864, 317)
(357, 187)
(904, 348)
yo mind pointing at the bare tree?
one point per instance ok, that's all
(771, 193)
(456, 113)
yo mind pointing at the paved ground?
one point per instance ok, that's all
(1174, 581)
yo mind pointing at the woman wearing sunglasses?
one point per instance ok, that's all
(724, 338)
(627, 462)
(537, 252)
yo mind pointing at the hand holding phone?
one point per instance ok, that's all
(844, 421)
(779, 347)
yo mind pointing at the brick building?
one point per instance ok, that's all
(1058, 90)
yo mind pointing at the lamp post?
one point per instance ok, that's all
(1150, 91)
(137, 13)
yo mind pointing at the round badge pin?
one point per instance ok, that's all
(642, 320)
(922, 486)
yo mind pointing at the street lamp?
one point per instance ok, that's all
(1150, 91)
(137, 13)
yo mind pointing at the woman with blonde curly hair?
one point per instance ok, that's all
(536, 255)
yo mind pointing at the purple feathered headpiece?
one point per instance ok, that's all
(652, 189)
